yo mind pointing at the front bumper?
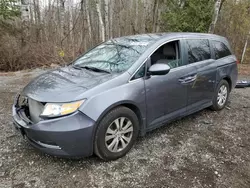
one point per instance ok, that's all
(68, 136)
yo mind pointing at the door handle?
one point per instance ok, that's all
(188, 79)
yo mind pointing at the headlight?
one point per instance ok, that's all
(60, 109)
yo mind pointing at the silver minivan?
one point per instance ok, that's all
(101, 102)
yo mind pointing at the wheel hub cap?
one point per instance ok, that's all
(119, 134)
(222, 95)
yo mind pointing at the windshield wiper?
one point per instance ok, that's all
(76, 67)
(95, 69)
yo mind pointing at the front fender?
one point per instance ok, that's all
(129, 93)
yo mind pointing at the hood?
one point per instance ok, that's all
(64, 85)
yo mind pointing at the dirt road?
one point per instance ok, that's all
(207, 149)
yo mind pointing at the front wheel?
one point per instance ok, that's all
(221, 96)
(116, 133)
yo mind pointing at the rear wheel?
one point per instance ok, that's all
(221, 96)
(116, 133)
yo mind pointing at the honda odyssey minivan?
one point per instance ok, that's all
(101, 102)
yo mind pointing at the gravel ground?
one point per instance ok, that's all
(207, 149)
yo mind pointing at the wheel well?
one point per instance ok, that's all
(229, 82)
(132, 107)
(136, 110)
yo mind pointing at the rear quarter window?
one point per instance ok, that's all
(198, 50)
(220, 50)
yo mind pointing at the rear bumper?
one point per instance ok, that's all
(69, 136)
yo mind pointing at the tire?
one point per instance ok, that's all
(217, 105)
(107, 128)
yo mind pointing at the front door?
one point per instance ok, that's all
(166, 95)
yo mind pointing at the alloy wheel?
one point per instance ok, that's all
(119, 134)
(222, 95)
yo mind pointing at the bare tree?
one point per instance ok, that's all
(110, 17)
(25, 12)
(61, 17)
(48, 27)
(106, 11)
(217, 7)
(37, 17)
(155, 14)
(136, 16)
(102, 27)
(88, 18)
(25, 7)
(245, 48)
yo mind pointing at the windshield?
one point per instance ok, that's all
(115, 55)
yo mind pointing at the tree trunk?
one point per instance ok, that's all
(82, 43)
(128, 19)
(119, 18)
(217, 7)
(245, 48)
(25, 9)
(111, 11)
(102, 27)
(106, 7)
(37, 21)
(88, 19)
(136, 16)
(158, 20)
(144, 19)
(62, 20)
(155, 16)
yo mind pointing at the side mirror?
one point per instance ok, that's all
(159, 69)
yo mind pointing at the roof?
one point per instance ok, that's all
(158, 36)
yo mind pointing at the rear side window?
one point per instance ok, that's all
(198, 50)
(220, 50)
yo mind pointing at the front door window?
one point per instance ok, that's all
(169, 54)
